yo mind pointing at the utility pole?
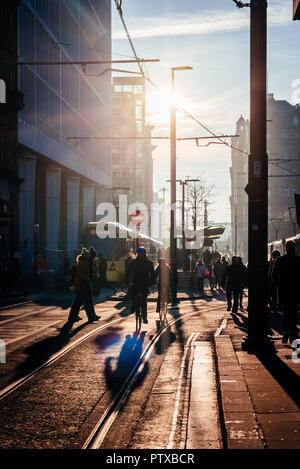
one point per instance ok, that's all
(183, 183)
(173, 239)
(235, 228)
(257, 188)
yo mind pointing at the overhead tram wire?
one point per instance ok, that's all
(119, 8)
(239, 5)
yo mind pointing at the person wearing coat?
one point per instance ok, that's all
(81, 277)
(234, 280)
(285, 275)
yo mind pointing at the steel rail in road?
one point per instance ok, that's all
(99, 432)
(16, 384)
(45, 309)
(14, 306)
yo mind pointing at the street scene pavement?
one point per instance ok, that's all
(191, 385)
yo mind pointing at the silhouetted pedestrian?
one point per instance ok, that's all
(234, 278)
(285, 275)
(82, 282)
(272, 289)
(200, 271)
(240, 261)
(219, 268)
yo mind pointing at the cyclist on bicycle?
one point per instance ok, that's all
(162, 277)
(141, 275)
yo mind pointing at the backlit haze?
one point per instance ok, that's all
(213, 38)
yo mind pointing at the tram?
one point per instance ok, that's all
(115, 250)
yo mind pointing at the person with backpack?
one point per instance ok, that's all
(81, 279)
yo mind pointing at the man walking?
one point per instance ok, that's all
(81, 276)
(285, 275)
(200, 271)
(141, 275)
(234, 278)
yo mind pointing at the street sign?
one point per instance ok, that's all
(137, 218)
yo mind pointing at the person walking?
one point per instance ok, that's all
(102, 268)
(285, 275)
(81, 276)
(219, 268)
(212, 274)
(141, 275)
(272, 289)
(234, 279)
(241, 295)
(200, 271)
(162, 278)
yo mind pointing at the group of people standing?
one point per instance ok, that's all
(223, 275)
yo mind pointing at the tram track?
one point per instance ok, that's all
(102, 427)
(16, 384)
(110, 412)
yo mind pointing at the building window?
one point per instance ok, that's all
(116, 159)
(127, 88)
(2, 92)
(138, 89)
(295, 121)
(118, 88)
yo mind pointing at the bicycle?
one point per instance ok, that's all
(163, 306)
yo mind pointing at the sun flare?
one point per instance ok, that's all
(160, 102)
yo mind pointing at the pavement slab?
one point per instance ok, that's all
(259, 392)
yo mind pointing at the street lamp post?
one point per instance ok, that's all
(257, 188)
(173, 258)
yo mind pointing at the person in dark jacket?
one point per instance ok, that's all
(272, 289)
(234, 279)
(141, 275)
(81, 278)
(240, 261)
(162, 277)
(219, 269)
(285, 275)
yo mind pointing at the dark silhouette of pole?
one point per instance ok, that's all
(173, 244)
(257, 188)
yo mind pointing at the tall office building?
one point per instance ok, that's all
(132, 165)
(283, 147)
(63, 179)
(11, 102)
(238, 197)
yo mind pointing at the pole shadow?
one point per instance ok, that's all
(284, 375)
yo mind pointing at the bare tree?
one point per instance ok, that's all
(196, 194)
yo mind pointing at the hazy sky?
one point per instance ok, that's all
(212, 36)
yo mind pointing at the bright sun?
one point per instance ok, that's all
(159, 104)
